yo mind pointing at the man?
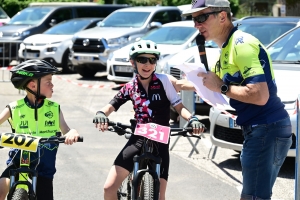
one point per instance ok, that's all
(244, 73)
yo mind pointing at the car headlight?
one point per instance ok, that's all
(51, 49)
(117, 41)
(18, 34)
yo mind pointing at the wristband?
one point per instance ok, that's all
(193, 118)
(101, 112)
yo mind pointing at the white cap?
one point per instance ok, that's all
(198, 5)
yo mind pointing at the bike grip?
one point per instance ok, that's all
(111, 123)
(80, 139)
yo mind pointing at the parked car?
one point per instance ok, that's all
(170, 38)
(285, 55)
(265, 29)
(4, 18)
(39, 17)
(92, 47)
(53, 44)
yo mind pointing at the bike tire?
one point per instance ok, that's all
(147, 187)
(20, 194)
(124, 191)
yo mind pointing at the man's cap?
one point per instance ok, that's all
(198, 5)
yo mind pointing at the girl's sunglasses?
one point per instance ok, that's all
(202, 18)
(144, 60)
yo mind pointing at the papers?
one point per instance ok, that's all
(213, 98)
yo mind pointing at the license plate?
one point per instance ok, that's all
(232, 124)
(198, 99)
(85, 58)
(31, 55)
(128, 69)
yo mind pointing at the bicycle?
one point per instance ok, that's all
(143, 182)
(23, 189)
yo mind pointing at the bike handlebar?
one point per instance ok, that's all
(122, 129)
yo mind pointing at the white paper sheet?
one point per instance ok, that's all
(213, 98)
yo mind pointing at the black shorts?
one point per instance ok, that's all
(133, 147)
(44, 187)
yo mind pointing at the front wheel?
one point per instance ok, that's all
(20, 194)
(124, 191)
(146, 187)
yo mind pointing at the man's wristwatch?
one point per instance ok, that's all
(224, 89)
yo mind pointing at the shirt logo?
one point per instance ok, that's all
(156, 97)
(49, 114)
(24, 124)
(50, 123)
(155, 87)
(239, 40)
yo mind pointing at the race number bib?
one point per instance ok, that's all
(153, 132)
(20, 141)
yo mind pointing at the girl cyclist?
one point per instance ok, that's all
(151, 95)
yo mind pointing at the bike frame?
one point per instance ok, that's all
(23, 172)
(139, 172)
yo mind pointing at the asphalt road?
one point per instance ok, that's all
(213, 174)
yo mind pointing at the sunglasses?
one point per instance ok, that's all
(202, 18)
(144, 60)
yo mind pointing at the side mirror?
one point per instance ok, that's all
(153, 25)
(53, 22)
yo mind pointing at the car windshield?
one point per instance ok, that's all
(170, 35)
(286, 48)
(30, 16)
(3, 15)
(125, 19)
(68, 27)
(265, 32)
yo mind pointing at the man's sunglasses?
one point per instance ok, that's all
(202, 18)
(144, 60)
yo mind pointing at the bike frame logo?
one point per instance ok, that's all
(24, 124)
(50, 123)
(156, 97)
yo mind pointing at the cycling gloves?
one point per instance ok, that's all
(100, 117)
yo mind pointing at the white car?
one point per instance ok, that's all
(285, 54)
(53, 45)
(170, 38)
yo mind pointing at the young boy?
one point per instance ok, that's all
(38, 116)
(151, 95)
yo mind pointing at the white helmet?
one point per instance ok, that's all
(144, 47)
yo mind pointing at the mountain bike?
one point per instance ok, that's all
(23, 188)
(143, 182)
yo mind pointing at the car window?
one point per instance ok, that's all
(166, 17)
(286, 48)
(170, 35)
(95, 11)
(68, 27)
(30, 16)
(266, 32)
(3, 15)
(125, 19)
(62, 15)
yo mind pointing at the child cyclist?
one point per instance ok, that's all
(35, 115)
(151, 95)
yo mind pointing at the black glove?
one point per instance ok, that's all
(195, 123)
(100, 117)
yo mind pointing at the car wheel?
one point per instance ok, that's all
(67, 66)
(86, 72)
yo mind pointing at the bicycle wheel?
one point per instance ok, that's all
(124, 191)
(20, 194)
(146, 187)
